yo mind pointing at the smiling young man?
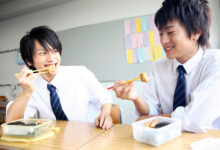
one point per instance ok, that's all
(185, 84)
(65, 93)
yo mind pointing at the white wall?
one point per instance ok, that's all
(84, 12)
(73, 14)
(215, 32)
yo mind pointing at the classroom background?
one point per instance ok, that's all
(74, 20)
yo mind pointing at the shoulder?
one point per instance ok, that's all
(211, 52)
(76, 70)
(210, 62)
(73, 69)
(211, 56)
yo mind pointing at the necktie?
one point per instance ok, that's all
(180, 91)
(55, 103)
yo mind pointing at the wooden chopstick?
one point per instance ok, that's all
(40, 71)
(126, 82)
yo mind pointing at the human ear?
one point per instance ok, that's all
(197, 35)
(29, 64)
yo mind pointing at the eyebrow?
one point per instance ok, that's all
(42, 49)
(168, 27)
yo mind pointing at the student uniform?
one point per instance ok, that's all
(81, 95)
(202, 90)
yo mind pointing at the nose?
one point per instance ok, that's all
(164, 39)
(50, 56)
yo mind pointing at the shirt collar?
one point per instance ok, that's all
(190, 64)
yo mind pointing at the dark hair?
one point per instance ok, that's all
(194, 15)
(44, 35)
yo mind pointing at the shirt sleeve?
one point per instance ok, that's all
(203, 109)
(150, 94)
(98, 94)
(31, 109)
(8, 105)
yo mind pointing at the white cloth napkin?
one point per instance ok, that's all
(206, 144)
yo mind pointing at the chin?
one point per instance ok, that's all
(170, 57)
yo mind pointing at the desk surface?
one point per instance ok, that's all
(72, 135)
(85, 136)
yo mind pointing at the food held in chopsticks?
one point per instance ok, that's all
(51, 69)
(40, 71)
(143, 77)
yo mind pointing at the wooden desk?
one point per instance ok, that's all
(85, 136)
(121, 137)
(72, 135)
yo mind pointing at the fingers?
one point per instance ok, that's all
(24, 73)
(118, 88)
(107, 123)
(97, 121)
(101, 121)
(104, 122)
(123, 91)
(26, 78)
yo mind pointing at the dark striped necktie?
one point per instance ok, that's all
(180, 91)
(55, 103)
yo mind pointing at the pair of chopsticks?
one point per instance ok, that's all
(40, 71)
(143, 77)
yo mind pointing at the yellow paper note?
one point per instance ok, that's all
(152, 53)
(151, 38)
(130, 56)
(159, 52)
(138, 25)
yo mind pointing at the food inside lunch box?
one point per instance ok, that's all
(27, 127)
(155, 124)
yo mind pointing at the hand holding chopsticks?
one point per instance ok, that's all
(40, 71)
(143, 77)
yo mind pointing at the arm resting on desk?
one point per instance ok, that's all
(104, 119)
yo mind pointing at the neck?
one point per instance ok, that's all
(188, 56)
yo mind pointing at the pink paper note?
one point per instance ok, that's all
(127, 26)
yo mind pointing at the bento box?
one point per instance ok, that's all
(163, 129)
(26, 127)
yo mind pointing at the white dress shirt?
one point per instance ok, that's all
(80, 93)
(203, 90)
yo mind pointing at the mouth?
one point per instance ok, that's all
(53, 66)
(169, 49)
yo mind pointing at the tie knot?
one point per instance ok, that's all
(181, 69)
(50, 87)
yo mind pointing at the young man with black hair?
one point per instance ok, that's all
(65, 93)
(185, 84)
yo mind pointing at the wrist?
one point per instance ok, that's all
(137, 98)
(26, 93)
(106, 109)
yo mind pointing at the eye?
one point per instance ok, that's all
(56, 50)
(161, 34)
(171, 32)
(42, 53)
